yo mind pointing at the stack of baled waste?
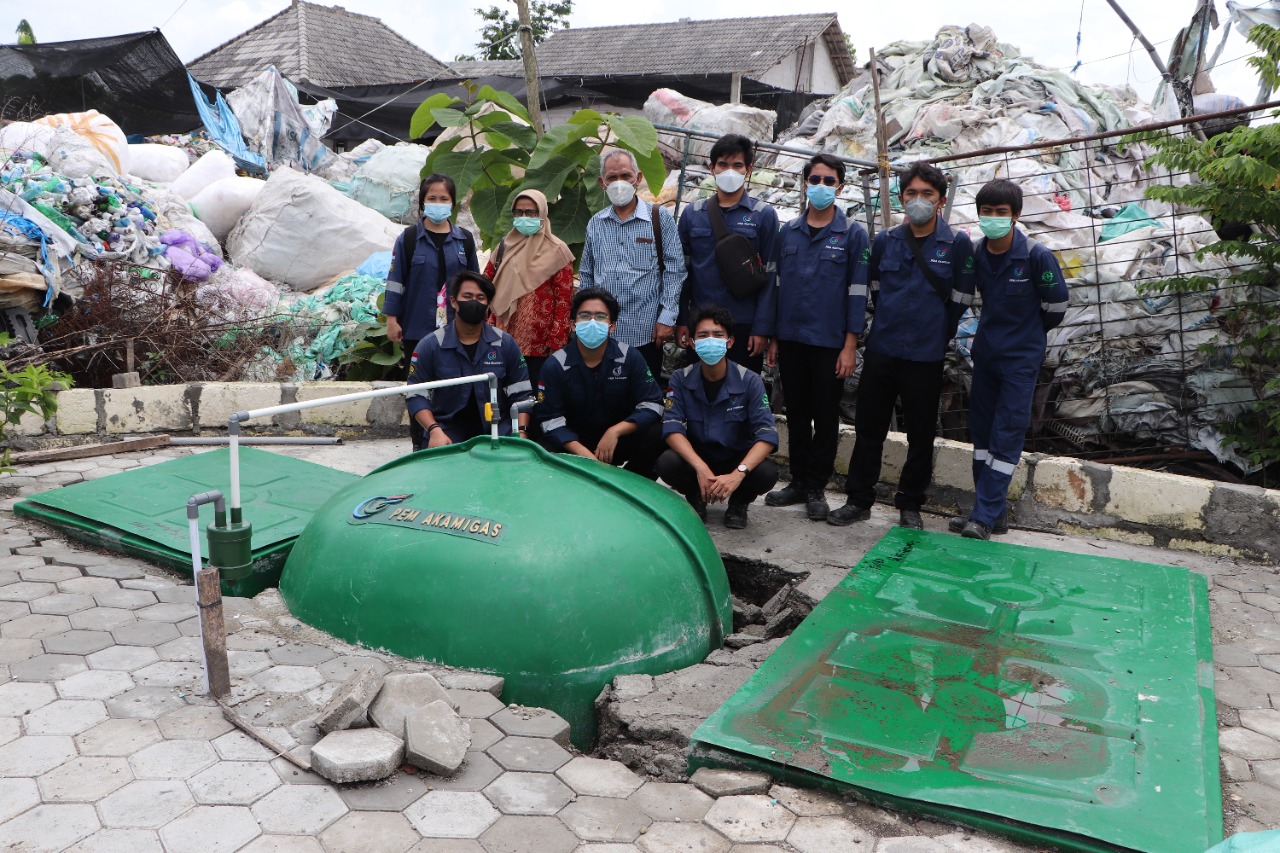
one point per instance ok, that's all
(1126, 361)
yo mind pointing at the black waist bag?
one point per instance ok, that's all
(740, 266)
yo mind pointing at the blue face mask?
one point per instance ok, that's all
(437, 213)
(592, 333)
(821, 196)
(711, 350)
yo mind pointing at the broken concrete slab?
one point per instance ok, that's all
(357, 755)
(460, 679)
(730, 783)
(437, 738)
(350, 705)
(402, 693)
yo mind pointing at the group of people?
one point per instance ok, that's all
(735, 290)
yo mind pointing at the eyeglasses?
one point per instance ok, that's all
(525, 212)
(602, 316)
(829, 180)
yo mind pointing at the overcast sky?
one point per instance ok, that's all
(1044, 31)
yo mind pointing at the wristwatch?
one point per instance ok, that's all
(743, 469)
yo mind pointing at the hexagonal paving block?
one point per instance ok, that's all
(94, 684)
(62, 604)
(528, 794)
(519, 834)
(49, 574)
(17, 698)
(145, 805)
(596, 777)
(750, 818)
(49, 827)
(805, 803)
(143, 633)
(122, 658)
(77, 642)
(10, 730)
(14, 651)
(65, 717)
(170, 612)
(118, 737)
(821, 834)
(88, 585)
(168, 673)
(452, 814)
(665, 837)
(115, 571)
(186, 649)
(359, 832)
(47, 667)
(234, 783)
(672, 801)
(299, 809)
(283, 844)
(478, 704)
(238, 746)
(101, 618)
(119, 841)
(26, 591)
(174, 759)
(910, 844)
(16, 796)
(33, 755)
(144, 703)
(357, 755)
(300, 654)
(484, 734)
(125, 599)
(342, 668)
(532, 722)
(10, 610)
(210, 829)
(35, 627)
(605, 819)
(85, 780)
(245, 664)
(389, 795)
(526, 753)
(290, 679)
(201, 722)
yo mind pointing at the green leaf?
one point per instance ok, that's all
(462, 166)
(447, 117)
(487, 207)
(634, 133)
(422, 118)
(438, 151)
(551, 175)
(654, 170)
(506, 100)
(592, 118)
(521, 134)
(570, 215)
(556, 139)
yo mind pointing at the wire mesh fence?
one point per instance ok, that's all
(1137, 373)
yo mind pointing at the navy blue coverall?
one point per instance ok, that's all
(755, 220)
(411, 297)
(817, 295)
(440, 355)
(910, 329)
(1023, 296)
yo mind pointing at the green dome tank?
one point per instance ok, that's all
(556, 572)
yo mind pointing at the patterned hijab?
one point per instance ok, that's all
(527, 262)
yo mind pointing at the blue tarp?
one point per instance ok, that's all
(224, 129)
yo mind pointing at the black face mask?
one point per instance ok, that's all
(472, 312)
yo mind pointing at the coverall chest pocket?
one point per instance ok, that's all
(703, 238)
(1018, 287)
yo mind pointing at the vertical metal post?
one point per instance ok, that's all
(684, 165)
(866, 202)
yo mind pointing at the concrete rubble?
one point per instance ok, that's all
(349, 706)
(402, 694)
(357, 755)
(436, 738)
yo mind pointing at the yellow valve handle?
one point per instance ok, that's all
(488, 412)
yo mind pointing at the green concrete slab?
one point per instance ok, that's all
(143, 512)
(1063, 699)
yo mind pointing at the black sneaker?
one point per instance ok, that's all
(1001, 527)
(957, 523)
(975, 530)
(815, 505)
(792, 494)
(910, 518)
(699, 506)
(735, 516)
(848, 514)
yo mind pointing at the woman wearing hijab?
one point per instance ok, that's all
(532, 270)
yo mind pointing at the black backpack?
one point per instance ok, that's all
(739, 263)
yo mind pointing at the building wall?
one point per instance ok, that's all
(820, 79)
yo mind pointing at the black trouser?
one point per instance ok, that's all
(885, 380)
(737, 353)
(416, 436)
(638, 452)
(813, 394)
(653, 357)
(679, 475)
(534, 363)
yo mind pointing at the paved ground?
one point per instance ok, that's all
(106, 743)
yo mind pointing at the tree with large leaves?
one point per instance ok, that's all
(25, 33)
(499, 37)
(494, 155)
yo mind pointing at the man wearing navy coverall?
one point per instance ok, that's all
(1023, 297)
(596, 397)
(815, 309)
(730, 161)
(914, 319)
(467, 346)
(719, 426)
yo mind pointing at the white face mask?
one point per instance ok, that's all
(620, 193)
(730, 180)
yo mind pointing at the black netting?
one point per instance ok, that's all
(136, 80)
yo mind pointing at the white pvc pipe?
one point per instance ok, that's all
(235, 471)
